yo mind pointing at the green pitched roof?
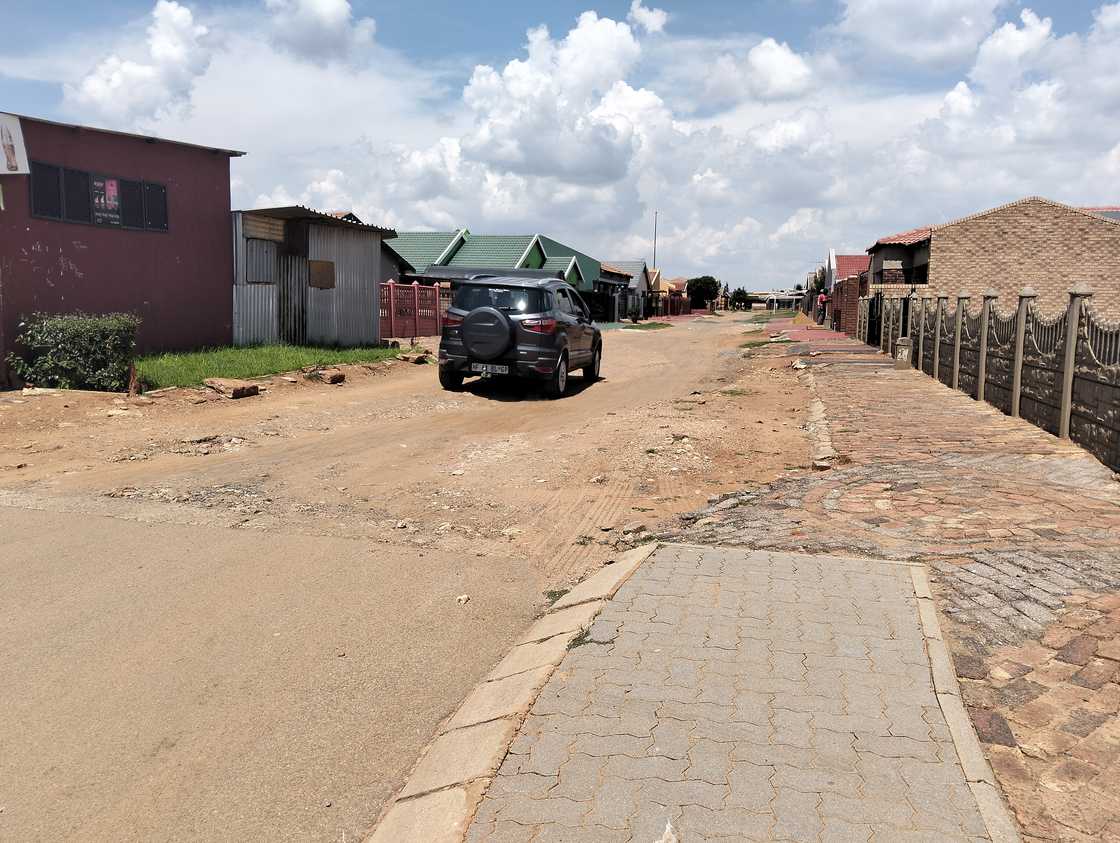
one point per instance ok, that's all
(421, 248)
(492, 250)
(557, 263)
(588, 266)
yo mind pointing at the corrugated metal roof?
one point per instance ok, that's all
(421, 249)
(299, 212)
(496, 250)
(613, 268)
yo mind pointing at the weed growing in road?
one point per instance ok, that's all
(647, 326)
(760, 343)
(554, 594)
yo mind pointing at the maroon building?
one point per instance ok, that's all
(103, 221)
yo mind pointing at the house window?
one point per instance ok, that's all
(82, 197)
(75, 194)
(46, 191)
(132, 204)
(155, 206)
(322, 274)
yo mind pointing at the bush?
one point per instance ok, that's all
(76, 350)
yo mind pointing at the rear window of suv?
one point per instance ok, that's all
(506, 299)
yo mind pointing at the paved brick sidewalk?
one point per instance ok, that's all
(750, 696)
(1022, 533)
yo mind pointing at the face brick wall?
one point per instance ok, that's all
(1030, 243)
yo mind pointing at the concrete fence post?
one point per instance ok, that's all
(885, 325)
(942, 303)
(1077, 297)
(415, 308)
(1027, 296)
(922, 332)
(962, 303)
(990, 295)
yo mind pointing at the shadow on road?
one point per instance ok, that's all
(516, 389)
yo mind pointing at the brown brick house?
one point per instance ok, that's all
(846, 291)
(1032, 242)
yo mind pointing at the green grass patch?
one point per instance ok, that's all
(647, 326)
(193, 367)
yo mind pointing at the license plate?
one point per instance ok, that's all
(490, 368)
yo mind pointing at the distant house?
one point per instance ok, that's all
(1031, 242)
(417, 250)
(306, 277)
(104, 221)
(638, 288)
(847, 271)
(616, 284)
(421, 253)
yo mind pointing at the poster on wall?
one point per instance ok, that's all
(13, 155)
(106, 200)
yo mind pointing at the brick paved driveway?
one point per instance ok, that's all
(1022, 534)
(730, 694)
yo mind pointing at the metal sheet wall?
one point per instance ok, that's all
(255, 308)
(256, 298)
(348, 314)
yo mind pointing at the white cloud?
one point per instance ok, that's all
(932, 32)
(650, 20)
(320, 30)
(775, 71)
(1006, 52)
(158, 82)
(546, 114)
(802, 222)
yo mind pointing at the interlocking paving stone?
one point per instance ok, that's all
(1021, 533)
(728, 749)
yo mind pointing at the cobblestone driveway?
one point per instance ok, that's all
(730, 694)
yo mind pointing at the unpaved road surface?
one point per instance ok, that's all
(238, 619)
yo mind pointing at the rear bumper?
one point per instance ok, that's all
(536, 364)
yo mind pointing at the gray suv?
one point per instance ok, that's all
(522, 327)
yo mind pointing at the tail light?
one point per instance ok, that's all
(539, 326)
(452, 320)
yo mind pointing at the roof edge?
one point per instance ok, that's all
(232, 153)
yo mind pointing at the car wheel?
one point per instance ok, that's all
(558, 383)
(452, 381)
(591, 372)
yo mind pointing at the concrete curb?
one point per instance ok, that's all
(438, 801)
(977, 772)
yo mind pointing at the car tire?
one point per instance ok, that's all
(591, 372)
(451, 381)
(558, 383)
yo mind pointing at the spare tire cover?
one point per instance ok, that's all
(486, 333)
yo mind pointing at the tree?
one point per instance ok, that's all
(818, 279)
(799, 286)
(702, 290)
(740, 299)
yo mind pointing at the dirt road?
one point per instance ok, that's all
(239, 619)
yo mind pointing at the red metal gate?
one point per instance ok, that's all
(412, 310)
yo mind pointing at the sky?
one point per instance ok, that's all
(762, 132)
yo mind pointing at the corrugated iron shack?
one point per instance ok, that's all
(306, 278)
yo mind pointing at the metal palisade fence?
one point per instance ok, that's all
(1061, 373)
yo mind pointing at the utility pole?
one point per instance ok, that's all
(655, 239)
